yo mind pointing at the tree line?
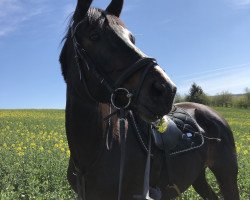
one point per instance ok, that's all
(223, 99)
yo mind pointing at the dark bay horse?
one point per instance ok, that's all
(99, 59)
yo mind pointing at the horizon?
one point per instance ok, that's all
(60, 109)
(203, 42)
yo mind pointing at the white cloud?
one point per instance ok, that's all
(233, 79)
(240, 3)
(13, 13)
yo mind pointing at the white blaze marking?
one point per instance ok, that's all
(125, 34)
(164, 75)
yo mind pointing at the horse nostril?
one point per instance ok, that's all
(159, 87)
(164, 89)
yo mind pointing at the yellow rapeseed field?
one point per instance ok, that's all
(34, 154)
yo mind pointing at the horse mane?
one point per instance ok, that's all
(91, 17)
(63, 54)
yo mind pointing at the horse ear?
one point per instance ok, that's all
(82, 8)
(115, 7)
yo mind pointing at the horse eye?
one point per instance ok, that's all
(94, 36)
(132, 38)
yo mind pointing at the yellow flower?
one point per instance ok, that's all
(245, 152)
(41, 148)
(33, 145)
(19, 148)
(68, 153)
(21, 153)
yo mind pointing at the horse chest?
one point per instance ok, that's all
(102, 181)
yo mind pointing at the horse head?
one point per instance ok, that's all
(99, 56)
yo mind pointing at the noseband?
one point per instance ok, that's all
(113, 87)
(117, 92)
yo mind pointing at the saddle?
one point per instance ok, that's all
(177, 132)
(174, 134)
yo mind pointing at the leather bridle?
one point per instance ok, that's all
(116, 89)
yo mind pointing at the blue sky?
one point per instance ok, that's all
(207, 42)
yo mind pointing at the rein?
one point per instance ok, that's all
(116, 91)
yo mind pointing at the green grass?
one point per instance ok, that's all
(34, 154)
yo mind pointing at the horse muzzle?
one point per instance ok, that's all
(157, 95)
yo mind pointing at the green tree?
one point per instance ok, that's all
(240, 102)
(179, 98)
(197, 95)
(244, 100)
(224, 99)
